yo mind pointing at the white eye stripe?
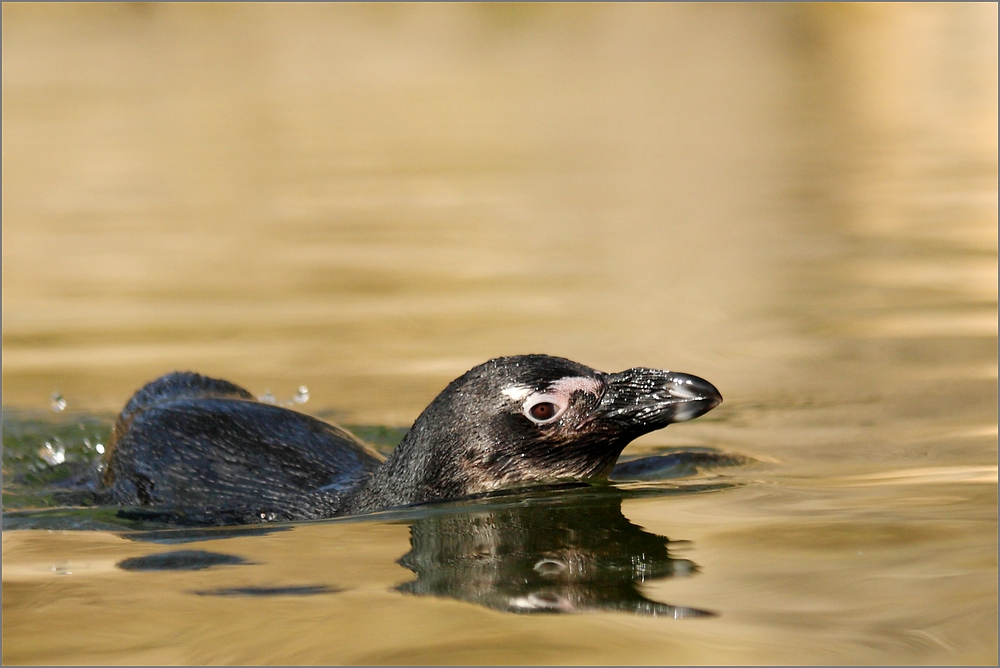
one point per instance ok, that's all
(517, 392)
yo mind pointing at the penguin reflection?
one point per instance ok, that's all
(543, 557)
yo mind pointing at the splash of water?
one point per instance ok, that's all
(53, 454)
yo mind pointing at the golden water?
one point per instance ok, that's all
(798, 203)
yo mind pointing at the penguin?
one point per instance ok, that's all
(203, 450)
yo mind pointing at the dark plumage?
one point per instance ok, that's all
(206, 449)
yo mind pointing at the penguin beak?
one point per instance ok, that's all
(643, 400)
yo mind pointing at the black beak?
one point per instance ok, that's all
(643, 400)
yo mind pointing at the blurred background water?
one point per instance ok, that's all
(796, 202)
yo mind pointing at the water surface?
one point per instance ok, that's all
(798, 203)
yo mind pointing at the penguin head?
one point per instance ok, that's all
(535, 419)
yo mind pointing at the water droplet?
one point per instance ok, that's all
(61, 569)
(100, 448)
(302, 395)
(58, 402)
(267, 398)
(54, 455)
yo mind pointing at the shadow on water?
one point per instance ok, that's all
(180, 560)
(306, 590)
(196, 560)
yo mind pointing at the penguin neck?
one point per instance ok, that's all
(419, 470)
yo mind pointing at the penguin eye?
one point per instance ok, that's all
(545, 408)
(543, 411)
